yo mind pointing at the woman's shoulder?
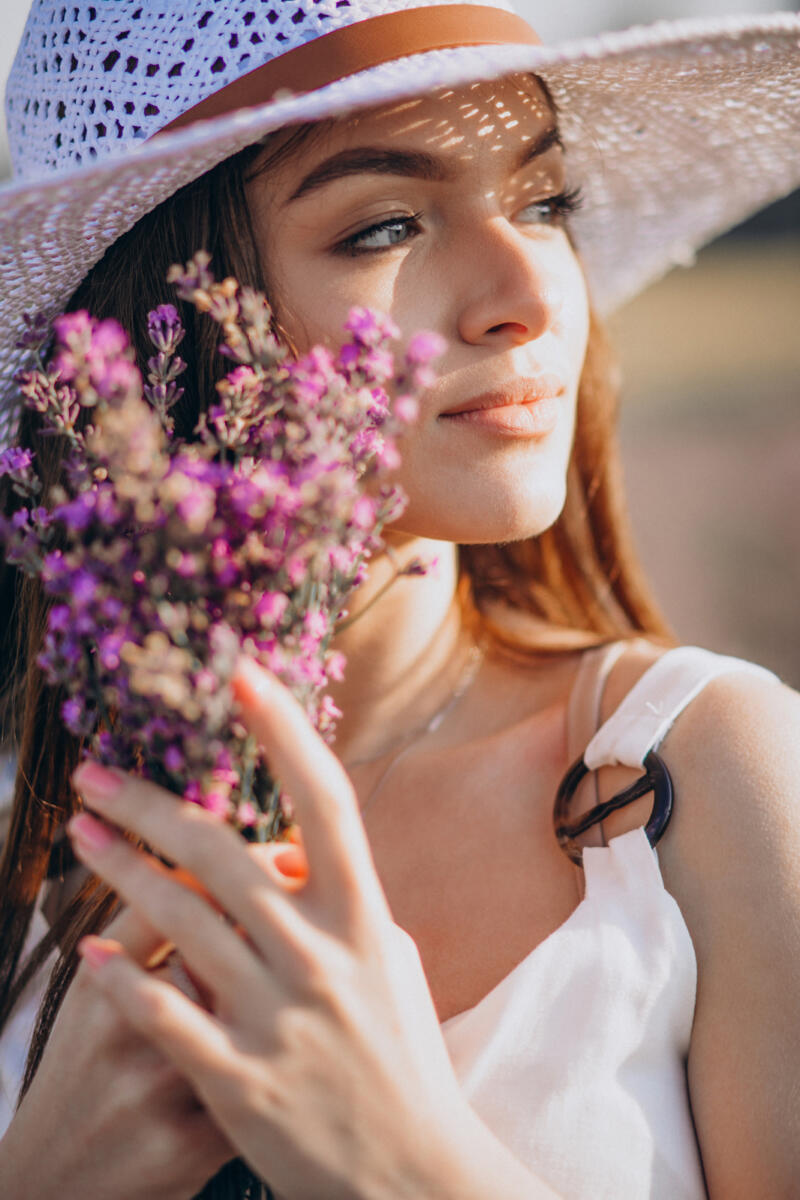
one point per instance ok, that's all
(737, 708)
(731, 853)
(734, 745)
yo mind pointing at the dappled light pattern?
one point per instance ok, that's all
(711, 136)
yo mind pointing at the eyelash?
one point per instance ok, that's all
(560, 206)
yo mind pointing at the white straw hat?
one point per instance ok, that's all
(675, 131)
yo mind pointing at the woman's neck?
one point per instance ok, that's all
(401, 650)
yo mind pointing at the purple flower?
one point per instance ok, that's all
(108, 341)
(271, 607)
(164, 328)
(84, 588)
(77, 514)
(76, 718)
(37, 331)
(15, 461)
(72, 328)
(174, 759)
(175, 556)
(58, 620)
(369, 327)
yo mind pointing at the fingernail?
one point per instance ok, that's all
(100, 781)
(91, 833)
(95, 951)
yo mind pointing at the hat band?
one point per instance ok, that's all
(362, 45)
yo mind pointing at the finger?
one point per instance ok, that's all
(215, 952)
(194, 1041)
(324, 801)
(143, 942)
(209, 849)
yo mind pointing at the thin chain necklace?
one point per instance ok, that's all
(473, 662)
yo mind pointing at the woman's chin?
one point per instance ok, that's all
(510, 518)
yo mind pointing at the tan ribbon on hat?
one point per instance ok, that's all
(362, 45)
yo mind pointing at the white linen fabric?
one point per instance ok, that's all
(576, 1060)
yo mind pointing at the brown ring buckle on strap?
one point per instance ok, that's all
(656, 779)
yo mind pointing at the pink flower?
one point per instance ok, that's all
(341, 558)
(363, 514)
(197, 508)
(246, 814)
(388, 456)
(335, 665)
(72, 327)
(296, 569)
(270, 608)
(424, 347)
(379, 363)
(215, 802)
(406, 409)
(109, 340)
(370, 327)
(328, 712)
(423, 378)
(315, 623)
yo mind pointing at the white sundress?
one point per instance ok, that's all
(576, 1060)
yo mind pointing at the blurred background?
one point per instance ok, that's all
(711, 413)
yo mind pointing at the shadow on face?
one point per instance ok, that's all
(445, 211)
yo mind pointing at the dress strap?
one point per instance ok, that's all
(583, 709)
(632, 734)
(651, 707)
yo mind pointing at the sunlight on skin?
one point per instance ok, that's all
(514, 304)
(471, 250)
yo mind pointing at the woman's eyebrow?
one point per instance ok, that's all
(416, 163)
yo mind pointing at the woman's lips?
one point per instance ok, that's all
(534, 419)
(527, 407)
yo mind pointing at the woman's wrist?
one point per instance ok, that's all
(469, 1164)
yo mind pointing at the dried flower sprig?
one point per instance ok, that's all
(164, 559)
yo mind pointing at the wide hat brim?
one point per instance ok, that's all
(675, 132)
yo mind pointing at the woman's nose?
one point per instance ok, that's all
(509, 291)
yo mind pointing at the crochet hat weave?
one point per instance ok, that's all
(675, 132)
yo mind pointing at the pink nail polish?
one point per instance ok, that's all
(97, 780)
(94, 835)
(95, 951)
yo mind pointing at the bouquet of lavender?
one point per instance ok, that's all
(165, 558)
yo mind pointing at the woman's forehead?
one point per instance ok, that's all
(481, 107)
(507, 116)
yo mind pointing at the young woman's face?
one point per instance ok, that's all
(439, 212)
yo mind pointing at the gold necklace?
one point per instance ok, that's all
(407, 740)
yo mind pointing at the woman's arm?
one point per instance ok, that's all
(322, 1058)
(735, 870)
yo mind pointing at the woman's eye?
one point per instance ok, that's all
(555, 208)
(380, 236)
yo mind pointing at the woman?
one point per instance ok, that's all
(369, 1020)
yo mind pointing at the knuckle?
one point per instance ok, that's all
(204, 845)
(155, 1011)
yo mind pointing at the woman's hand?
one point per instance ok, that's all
(321, 1059)
(107, 1116)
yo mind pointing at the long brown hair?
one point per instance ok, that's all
(577, 584)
